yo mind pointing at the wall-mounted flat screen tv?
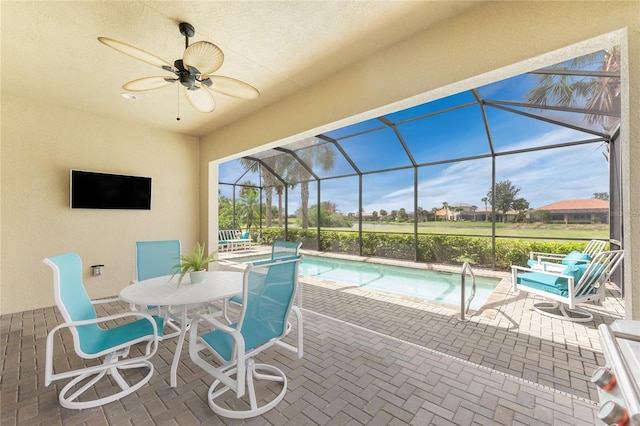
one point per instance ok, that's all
(94, 190)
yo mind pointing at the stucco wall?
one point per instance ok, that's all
(489, 43)
(40, 144)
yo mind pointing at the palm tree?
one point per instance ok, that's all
(249, 204)
(282, 165)
(319, 155)
(601, 93)
(445, 206)
(267, 181)
(485, 200)
(473, 210)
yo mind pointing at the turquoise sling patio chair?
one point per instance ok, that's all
(576, 283)
(155, 259)
(282, 250)
(557, 262)
(268, 293)
(93, 341)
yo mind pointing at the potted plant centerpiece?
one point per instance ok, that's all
(194, 263)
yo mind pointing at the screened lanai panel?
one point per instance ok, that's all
(325, 160)
(511, 132)
(387, 191)
(598, 124)
(239, 170)
(354, 129)
(389, 232)
(438, 105)
(557, 180)
(432, 138)
(282, 164)
(512, 89)
(590, 82)
(377, 150)
(341, 196)
(454, 192)
(301, 198)
(338, 212)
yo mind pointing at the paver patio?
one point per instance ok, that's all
(370, 358)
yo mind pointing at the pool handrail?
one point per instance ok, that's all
(465, 309)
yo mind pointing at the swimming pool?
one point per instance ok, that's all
(436, 286)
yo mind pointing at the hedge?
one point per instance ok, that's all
(431, 248)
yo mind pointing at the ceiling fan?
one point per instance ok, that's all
(194, 71)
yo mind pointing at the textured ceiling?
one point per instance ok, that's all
(50, 51)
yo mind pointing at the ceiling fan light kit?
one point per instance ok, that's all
(194, 71)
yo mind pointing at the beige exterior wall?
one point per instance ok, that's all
(492, 42)
(40, 144)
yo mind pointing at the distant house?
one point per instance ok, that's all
(578, 211)
(482, 213)
(446, 214)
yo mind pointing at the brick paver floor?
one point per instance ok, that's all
(370, 358)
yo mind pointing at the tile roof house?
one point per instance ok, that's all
(573, 211)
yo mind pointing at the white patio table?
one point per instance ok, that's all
(164, 291)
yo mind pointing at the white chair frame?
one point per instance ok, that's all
(242, 365)
(112, 362)
(577, 291)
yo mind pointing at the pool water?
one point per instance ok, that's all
(437, 286)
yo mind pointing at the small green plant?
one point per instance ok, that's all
(196, 260)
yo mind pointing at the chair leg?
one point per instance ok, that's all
(561, 311)
(254, 372)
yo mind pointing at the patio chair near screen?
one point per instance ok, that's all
(268, 293)
(556, 262)
(92, 341)
(577, 283)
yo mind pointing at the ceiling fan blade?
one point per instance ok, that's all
(148, 83)
(204, 56)
(201, 99)
(231, 87)
(136, 53)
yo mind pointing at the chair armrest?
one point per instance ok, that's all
(214, 322)
(151, 347)
(109, 318)
(537, 254)
(515, 269)
(551, 267)
(107, 300)
(549, 259)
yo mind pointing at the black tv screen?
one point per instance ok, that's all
(93, 190)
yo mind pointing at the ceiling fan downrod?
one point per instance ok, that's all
(187, 31)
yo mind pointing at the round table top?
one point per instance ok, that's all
(164, 291)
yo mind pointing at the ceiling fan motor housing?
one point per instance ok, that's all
(186, 77)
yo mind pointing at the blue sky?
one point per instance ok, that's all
(544, 176)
